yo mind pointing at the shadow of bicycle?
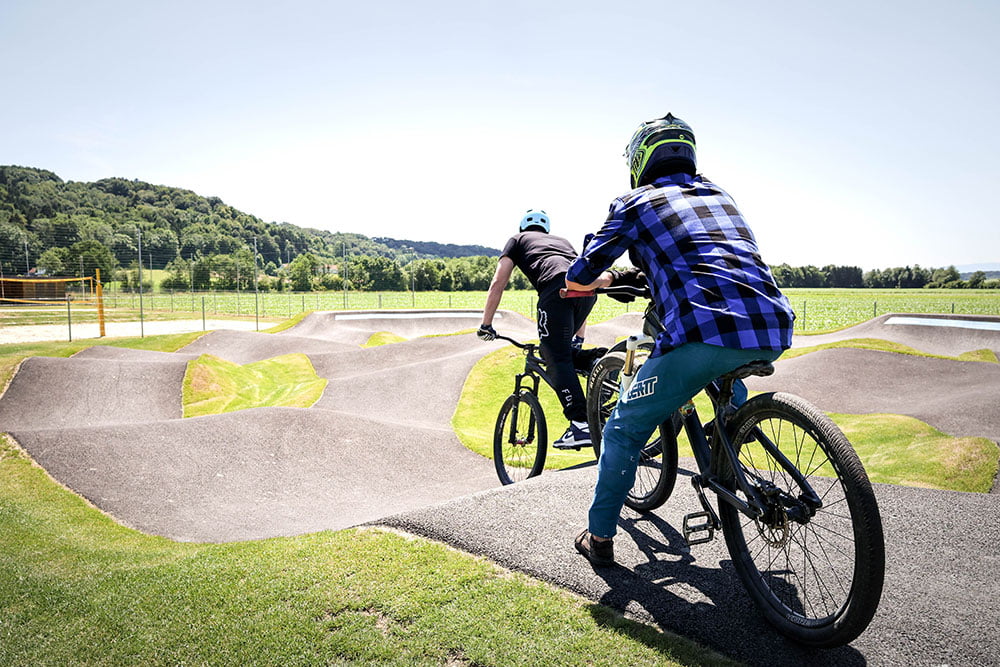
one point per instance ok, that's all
(699, 600)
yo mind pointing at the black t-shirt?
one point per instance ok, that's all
(542, 257)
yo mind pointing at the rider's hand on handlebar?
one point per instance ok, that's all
(632, 277)
(486, 332)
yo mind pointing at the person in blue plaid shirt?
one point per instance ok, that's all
(716, 298)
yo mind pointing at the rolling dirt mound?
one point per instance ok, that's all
(257, 473)
(957, 397)
(356, 327)
(54, 393)
(107, 423)
(126, 354)
(244, 347)
(949, 335)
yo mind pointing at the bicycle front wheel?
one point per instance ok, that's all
(657, 469)
(814, 564)
(520, 438)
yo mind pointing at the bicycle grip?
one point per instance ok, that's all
(572, 293)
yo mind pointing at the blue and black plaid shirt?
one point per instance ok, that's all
(707, 278)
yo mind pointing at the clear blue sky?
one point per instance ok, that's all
(850, 133)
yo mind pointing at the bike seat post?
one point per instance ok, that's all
(725, 393)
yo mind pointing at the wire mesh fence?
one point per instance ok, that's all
(816, 310)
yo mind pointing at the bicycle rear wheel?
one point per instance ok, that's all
(657, 470)
(520, 438)
(816, 573)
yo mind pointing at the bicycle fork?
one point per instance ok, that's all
(629, 369)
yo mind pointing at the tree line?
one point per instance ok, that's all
(908, 277)
(39, 212)
(61, 228)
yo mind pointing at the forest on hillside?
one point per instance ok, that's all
(56, 227)
(53, 227)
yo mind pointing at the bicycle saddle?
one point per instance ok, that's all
(762, 368)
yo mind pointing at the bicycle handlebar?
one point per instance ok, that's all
(631, 290)
(523, 346)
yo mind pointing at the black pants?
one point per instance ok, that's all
(558, 320)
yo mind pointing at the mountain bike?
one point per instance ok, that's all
(793, 501)
(520, 437)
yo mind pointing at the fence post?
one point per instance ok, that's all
(875, 310)
(69, 319)
(203, 313)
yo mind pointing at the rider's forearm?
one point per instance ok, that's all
(603, 280)
(493, 298)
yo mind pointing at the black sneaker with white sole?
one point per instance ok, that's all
(575, 437)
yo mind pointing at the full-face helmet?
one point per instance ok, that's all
(659, 147)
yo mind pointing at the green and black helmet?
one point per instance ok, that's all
(659, 147)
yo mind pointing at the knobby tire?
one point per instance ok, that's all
(520, 438)
(657, 469)
(817, 581)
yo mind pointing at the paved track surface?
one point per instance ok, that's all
(378, 448)
(939, 604)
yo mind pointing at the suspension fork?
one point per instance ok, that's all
(629, 370)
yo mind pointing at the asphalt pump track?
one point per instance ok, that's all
(378, 448)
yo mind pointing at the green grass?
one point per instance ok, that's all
(382, 338)
(485, 390)
(78, 588)
(817, 310)
(984, 355)
(902, 450)
(894, 449)
(213, 386)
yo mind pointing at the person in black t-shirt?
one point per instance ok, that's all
(544, 258)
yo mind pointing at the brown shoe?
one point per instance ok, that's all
(600, 553)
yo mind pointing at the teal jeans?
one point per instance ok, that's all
(662, 385)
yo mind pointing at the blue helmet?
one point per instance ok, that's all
(661, 146)
(535, 218)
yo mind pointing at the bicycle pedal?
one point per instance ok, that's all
(699, 533)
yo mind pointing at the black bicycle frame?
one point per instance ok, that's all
(533, 370)
(714, 459)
